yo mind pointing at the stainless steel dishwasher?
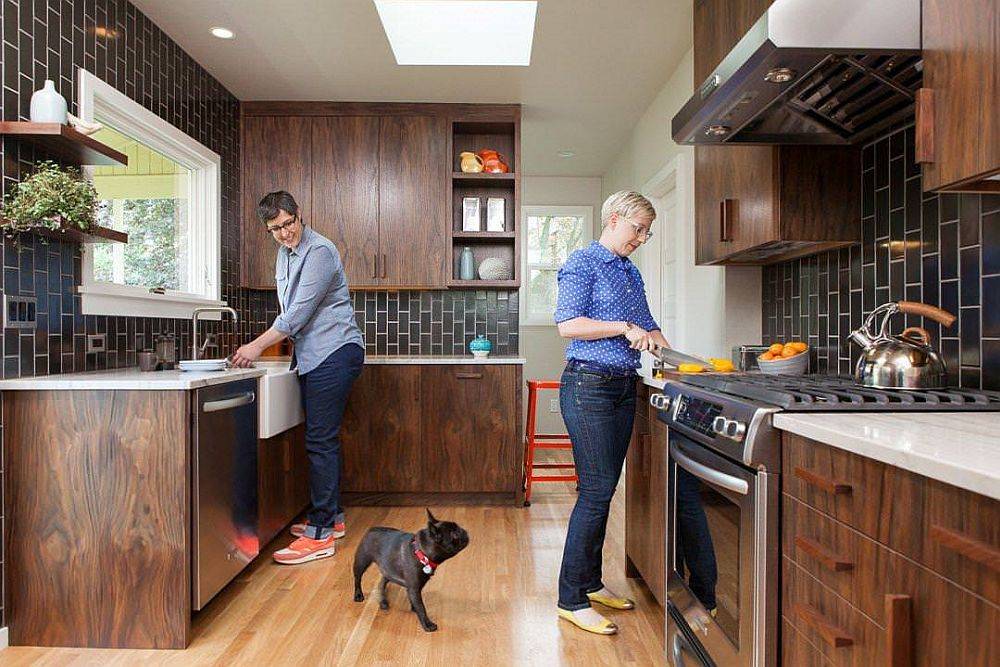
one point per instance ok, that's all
(224, 493)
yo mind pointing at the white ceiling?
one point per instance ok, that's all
(595, 66)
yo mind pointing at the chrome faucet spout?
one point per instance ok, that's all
(195, 351)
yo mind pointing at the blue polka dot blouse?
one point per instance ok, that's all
(598, 284)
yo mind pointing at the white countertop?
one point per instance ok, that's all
(421, 359)
(958, 448)
(130, 378)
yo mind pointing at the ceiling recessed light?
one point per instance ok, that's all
(459, 32)
(223, 33)
(566, 154)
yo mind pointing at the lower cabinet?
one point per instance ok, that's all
(412, 432)
(283, 487)
(645, 499)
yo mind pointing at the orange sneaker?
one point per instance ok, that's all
(299, 529)
(306, 549)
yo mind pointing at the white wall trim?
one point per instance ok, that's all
(586, 212)
(100, 101)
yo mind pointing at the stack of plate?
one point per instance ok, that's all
(203, 365)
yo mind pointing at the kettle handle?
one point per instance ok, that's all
(926, 310)
(915, 333)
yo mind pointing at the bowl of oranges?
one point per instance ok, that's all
(785, 359)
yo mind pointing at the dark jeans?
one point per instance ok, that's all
(695, 550)
(598, 407)
(324, 396)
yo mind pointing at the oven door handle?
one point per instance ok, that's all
(710, 475)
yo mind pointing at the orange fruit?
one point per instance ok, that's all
(789, 352)
(775, 348)
(798, 346)
(767, 356)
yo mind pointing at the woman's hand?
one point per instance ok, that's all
(639, 339)
(246, 355)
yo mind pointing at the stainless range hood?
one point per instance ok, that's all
(811, 72)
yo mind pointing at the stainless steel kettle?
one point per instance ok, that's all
(906, 361)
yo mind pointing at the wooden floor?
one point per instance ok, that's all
(494, 603)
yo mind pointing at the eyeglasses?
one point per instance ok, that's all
(274, 229)
(640, 231)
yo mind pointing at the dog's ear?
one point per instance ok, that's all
(430, 518)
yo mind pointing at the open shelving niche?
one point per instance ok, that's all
(503, 137)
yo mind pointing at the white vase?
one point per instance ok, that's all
(47, 105)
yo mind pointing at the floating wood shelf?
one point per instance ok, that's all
(493, 237)
(92, 235)
(483, 180)
(483, 284)
(65, 143)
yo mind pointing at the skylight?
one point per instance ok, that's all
(459, 32)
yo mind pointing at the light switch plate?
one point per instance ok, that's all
(19, 312)
(554, 405)
(95, 343)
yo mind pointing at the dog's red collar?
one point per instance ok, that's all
(429, 565)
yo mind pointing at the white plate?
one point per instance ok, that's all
(203, 365)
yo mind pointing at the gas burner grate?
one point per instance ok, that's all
(822, 393)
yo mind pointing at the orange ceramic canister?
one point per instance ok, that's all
(493, 162)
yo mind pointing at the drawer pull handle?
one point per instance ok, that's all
(822, 483)
(969, 547)
(831, 634)
(899, 630)
(469, 376)
(827, 558)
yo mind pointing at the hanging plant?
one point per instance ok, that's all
(53, 197)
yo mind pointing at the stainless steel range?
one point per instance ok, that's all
(723, 501)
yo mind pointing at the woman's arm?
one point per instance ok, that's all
(585, 328)
(249, 353)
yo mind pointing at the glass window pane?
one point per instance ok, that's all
(542, 292)
(148, 199)
(551, 238)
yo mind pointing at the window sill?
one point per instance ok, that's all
(119, 300)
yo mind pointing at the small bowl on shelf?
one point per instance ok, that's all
(796, 365)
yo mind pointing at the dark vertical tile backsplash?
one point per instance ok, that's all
(940, 249)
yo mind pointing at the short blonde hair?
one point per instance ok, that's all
(627, 204)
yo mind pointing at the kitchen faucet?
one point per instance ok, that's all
(195, 352)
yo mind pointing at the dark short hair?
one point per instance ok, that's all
(274, 203)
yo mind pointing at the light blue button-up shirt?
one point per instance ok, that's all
(598, 284)
(316, 309)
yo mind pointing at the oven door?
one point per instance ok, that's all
(721, 551)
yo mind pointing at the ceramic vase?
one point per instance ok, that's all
(47, 105)
(467, 265)
(480, 346)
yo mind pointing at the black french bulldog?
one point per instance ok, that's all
(408, 560)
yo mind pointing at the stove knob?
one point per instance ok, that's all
(719, 425)
(735, 430)
(654, 400)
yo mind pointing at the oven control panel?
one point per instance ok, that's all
(697, 414)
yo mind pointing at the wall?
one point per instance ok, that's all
(715, 307)
(542, 347)
(939, 249)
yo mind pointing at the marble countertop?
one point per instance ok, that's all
(130, 378)
(958, 448)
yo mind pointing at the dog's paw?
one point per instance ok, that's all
(359, 597)
(430, 626)
(383, 605)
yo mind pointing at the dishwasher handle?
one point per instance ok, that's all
(245, 398)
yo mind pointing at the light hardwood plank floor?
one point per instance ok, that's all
(494, 603)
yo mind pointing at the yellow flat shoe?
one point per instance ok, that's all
(606, 627)
(613, 603)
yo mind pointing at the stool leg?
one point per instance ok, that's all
(529, 440)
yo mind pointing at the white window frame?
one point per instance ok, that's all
(97, 99)
(585, 212)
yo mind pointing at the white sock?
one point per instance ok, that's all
(605, 592)
(588, 617)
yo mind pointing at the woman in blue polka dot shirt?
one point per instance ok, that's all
(602, 308)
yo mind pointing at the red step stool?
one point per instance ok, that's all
(533, 441)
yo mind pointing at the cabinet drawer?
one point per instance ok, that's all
(796, 651)
(839, 631)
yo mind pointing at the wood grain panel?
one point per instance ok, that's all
(961, 49)
(464, 112)
(277, 155)
(470, 428)
(283, 489)
(98, 518)
(381, 433)
(414, 181)
(345, 191)
(820, 193)
(718, 26)
(797, 651)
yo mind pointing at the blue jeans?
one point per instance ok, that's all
(695, 551)
(598, 406)
(324, 396)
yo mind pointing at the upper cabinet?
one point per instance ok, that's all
(718, 25)
(958, 127)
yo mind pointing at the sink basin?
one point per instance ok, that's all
(279, 405)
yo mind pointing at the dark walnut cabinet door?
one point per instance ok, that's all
(345, 174)
(718, 26)
(470, 425)
(380, 435)
(413, 201)
(283, 488)
(277, 156)
(958, 136)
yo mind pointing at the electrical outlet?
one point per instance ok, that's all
(554, 405)
(19, 312)
(95, 343)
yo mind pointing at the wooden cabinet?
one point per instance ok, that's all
(883, 566)
(283, 488)
(345, 191)
(430, 433)
(958, 127)
(645, 499)
(718, 25)
(277, 155)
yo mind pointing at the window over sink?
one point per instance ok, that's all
(552, 233)
(168, 201)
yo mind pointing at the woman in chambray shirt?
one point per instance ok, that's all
(602, 307)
